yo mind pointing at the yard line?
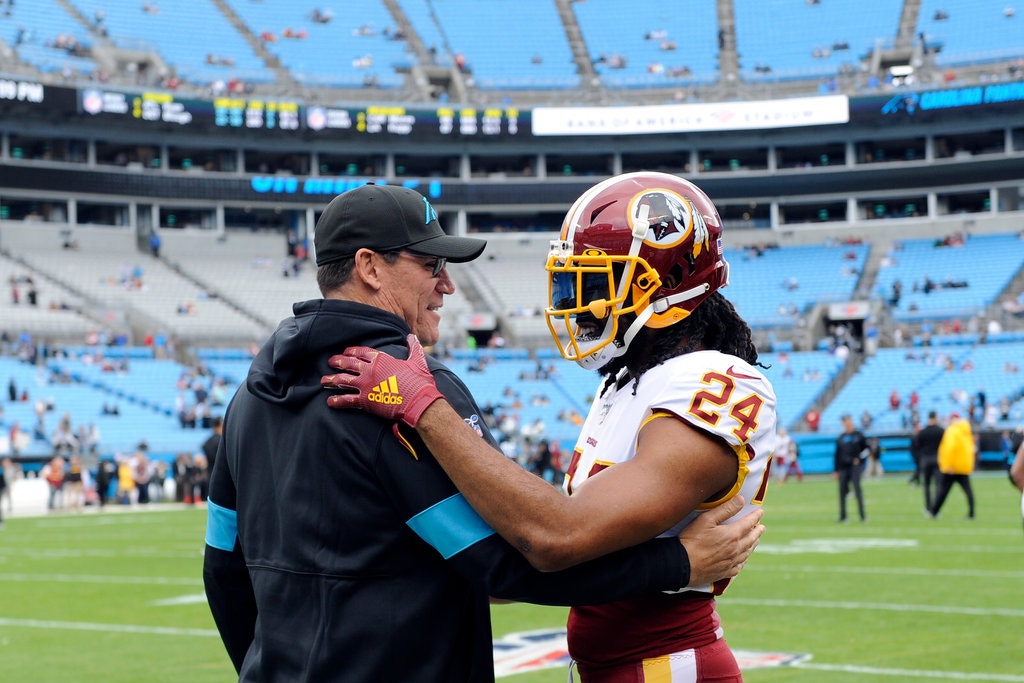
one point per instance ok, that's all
(914, 673)
(826, 604)
(901, 571)
(112, 628)
(93, 578)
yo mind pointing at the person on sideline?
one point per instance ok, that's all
(1017, 475)
(850, 455)
(957, 452)
(683, 422)
(337, 548)
(786, 460)
(927, 440)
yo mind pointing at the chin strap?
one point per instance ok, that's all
(665, 303)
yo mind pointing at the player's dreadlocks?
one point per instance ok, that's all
(713, 325)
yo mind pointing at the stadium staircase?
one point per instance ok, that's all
(427, 76)
(578, 45)
(282, 76)
(260, 320)
(728, 57)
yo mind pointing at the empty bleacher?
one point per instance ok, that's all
(784, 35)
(42, 34)
(499, 41)
(967, 277)
(639, 33)
(773, 288)
(109, 272)
(343, 52)
(974, 30)
(184, 33)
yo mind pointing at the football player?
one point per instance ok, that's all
(683, 421)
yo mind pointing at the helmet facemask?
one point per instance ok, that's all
(593, 298)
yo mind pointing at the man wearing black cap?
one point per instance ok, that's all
(850, 456)
(337, 549)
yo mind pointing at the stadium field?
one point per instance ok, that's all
(117, 597)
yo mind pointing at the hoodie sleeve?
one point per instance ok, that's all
(225, 575)
(436, 512)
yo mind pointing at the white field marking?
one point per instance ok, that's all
(899, 571)
(180, 600)
(160, 552)
(911, 673)
(93, 578)
(112, 628)
(831, 546)
(885, 607)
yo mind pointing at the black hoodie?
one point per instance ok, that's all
(337, 551)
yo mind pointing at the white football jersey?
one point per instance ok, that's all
(714, 392)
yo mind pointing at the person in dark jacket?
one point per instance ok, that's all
(851, 453)
(927, 441)
(337, 549)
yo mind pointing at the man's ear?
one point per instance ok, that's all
(367, 268)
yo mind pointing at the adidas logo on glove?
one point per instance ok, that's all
(386, 392)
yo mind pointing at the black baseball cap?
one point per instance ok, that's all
(386, 218)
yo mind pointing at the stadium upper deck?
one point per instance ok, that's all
(600, 51)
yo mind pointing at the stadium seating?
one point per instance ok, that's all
(974, 30)
(640, 34)
(343, 52)
(966, 277)
(36, 30)
(770, 292)
(499, 40)
(945, 379)
(185, 33)
(803, 28)
(109, 272)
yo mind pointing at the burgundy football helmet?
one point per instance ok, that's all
(645, 245)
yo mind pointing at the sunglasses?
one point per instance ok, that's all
(436, 265)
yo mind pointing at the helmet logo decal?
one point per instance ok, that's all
(670, 219)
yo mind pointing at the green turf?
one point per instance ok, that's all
(902, 598)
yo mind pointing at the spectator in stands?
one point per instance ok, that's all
(64, 440)
(850, 455)
(957, 455)
(17, 438)
(321, 16)
(394, 574)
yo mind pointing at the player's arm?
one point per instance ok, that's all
(676, 469)
(442, 518)
(225, 575)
